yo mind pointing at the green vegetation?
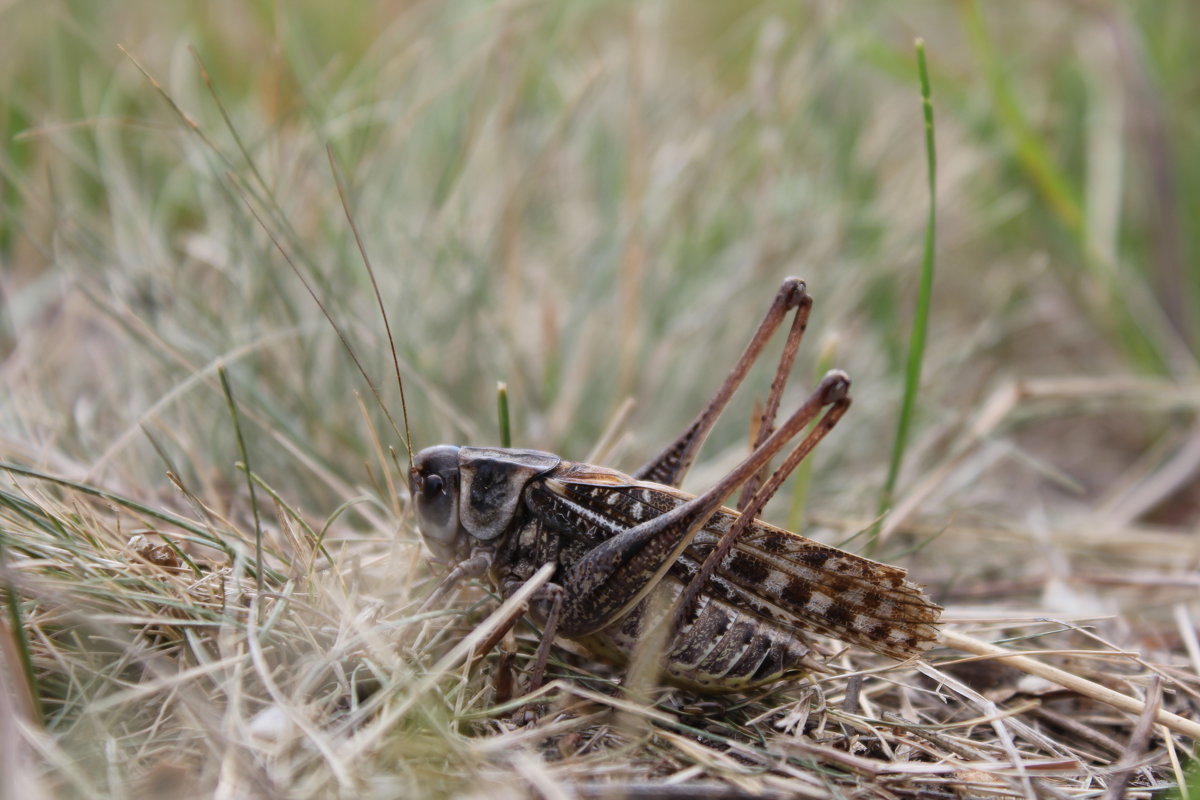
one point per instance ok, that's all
(920, 328)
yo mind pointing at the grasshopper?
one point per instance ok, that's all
(744, 595)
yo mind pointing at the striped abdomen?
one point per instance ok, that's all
(719, 648)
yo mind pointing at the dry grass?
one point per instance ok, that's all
(590, 202)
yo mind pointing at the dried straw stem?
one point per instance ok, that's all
(1174, 722)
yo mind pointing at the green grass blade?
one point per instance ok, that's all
(916, 345)
(199, 534)
(241, 443)
(21, 639)
(502, 410)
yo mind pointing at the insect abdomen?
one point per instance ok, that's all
(719, 649)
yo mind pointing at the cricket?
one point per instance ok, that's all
(742, 596)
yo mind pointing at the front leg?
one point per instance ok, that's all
(474, 567)
(549, 631)
(549, 599)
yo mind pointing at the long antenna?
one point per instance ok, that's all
(316, 299)
(341, 188)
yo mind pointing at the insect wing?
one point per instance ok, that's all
(803, 583)
(782, 577)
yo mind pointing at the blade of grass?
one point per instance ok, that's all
(1075, 683)
(21, 639)
(502, 410)
(173, 476)
(201, 536)
(1138, 321)
(317, 538)
(229, 126)
(916, 344)
(1029, 151)
(241, 442)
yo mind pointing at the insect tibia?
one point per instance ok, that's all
(671, 465)
(473, 567)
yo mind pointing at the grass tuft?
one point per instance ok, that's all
(248, 470)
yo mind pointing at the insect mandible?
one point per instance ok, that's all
(743, 595)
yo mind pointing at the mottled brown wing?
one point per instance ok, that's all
(781, 576)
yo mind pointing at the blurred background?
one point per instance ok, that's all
(595, 201)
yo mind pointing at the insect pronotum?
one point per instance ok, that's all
(744, 595)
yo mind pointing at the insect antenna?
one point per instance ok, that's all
(324, 309)
(362, 250)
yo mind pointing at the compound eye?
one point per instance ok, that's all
(434, 480)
